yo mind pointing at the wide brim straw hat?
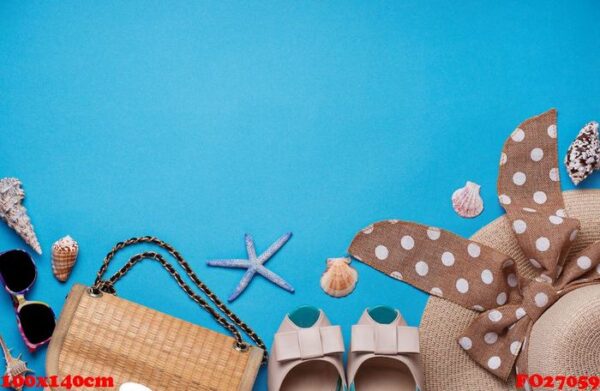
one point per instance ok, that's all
(520, 297)
(564, 341)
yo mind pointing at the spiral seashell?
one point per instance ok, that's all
(339, 279)
(14, 213)
(15, 367)
(466, 201)
(64, 256)
(583, 155)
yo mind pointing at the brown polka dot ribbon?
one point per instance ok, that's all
(478, 277)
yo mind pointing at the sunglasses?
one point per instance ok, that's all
(36, 320)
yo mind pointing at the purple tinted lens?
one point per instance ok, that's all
(37, 322)
(17, 270)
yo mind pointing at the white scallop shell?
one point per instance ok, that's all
(133, 387)
(339, 279)
(466, 201)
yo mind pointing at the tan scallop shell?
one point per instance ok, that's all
(339, 279)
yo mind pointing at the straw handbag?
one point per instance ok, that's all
(101, 335)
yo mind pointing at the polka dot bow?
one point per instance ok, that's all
(483, 279)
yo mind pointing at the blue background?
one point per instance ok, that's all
(200, 121)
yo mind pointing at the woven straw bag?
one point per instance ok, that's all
(100, 335)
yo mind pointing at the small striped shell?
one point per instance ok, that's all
(466, 201)
(339, 279)
(64, 256)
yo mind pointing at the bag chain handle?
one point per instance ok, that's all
(107, 286)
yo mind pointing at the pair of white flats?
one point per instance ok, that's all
(307, 353)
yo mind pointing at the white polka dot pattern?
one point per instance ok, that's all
(519, 226)
(518, 135)
(504, 199)
(501, 298)
(381, 252)
(465, 343)
(503, 159)
(573, 235)
(515, 347)
(462, 285)
(530, 179)
(495, 315)
(412, 258)
(544, 278)
(535, 263)
(512, 280)
(540, 197)
(555, 220)
(490, 338)
(494, 362)
(422, 268)
(541, 299)
(448, 258)
(474, 250)
(487, 277)
(536, 154)
(542, 243)
(407, 242)
(433, 233)
(519, 178)
(437, 292)
(584, 262)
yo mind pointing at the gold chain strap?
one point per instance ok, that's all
(107, 286)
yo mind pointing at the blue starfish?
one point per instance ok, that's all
(254, 265)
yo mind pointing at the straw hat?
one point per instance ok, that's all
(564, 340)
(523, 294)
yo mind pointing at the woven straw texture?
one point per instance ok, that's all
(110, 336)
(448, 368)
(574, 340)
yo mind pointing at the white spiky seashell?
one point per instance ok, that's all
(14, 365)
(14, 213)
(466, 201)
(339, 279)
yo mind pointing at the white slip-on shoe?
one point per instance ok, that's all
(307, 354)
(384, 353)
